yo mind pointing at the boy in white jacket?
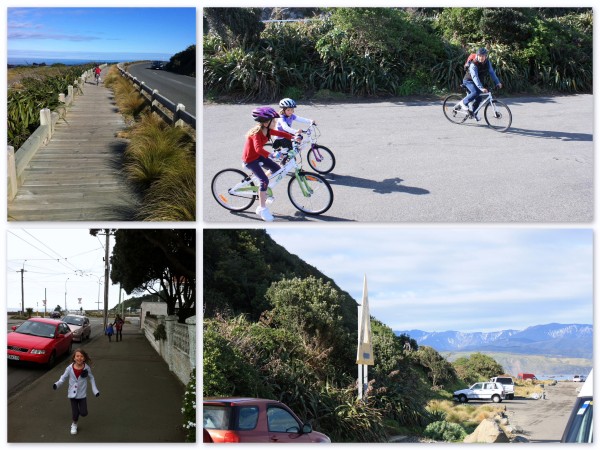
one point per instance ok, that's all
(78, 373)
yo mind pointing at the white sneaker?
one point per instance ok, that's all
(269, 200)
(264, 214)
(464, 107)
(73, 428)
(476, 117)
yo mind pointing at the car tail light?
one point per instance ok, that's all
(231, 436)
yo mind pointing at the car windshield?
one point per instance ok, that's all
(73, 320)
(40, 329)
(581, 429)
(216, 417)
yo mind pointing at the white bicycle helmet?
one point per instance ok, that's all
(287, 103)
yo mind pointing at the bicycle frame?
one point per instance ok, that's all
(487, 98)
(292, 165)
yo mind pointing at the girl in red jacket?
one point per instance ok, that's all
(256, 158)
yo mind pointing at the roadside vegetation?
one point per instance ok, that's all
(31, 89)
(372, 52)
(275, 327)
(160, 159)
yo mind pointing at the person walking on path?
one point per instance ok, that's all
(110, 331)
(78, 373)
(118, 323)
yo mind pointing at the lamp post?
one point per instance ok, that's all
(66, 295)
(99, 278)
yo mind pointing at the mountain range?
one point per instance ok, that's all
(553, 339)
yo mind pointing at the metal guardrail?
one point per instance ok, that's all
(180, 115)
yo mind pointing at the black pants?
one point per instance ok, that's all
(78, 408)
(119, 334)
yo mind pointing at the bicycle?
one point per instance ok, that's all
(310, 193)
(319, 157)
(496, 113)
(97, 76)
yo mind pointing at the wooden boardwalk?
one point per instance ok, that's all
(78, 175)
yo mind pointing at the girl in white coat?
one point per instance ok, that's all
(78, 373)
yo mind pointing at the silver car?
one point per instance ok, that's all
(80, 326)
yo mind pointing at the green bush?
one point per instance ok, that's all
(391, 51)
(189, 408)
(445, 431)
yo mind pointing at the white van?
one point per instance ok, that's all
(580, 427)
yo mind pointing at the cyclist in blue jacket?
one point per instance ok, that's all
(477, 70)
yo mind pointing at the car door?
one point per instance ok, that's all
(476, 391)
(62, 343)
(284, 426)
(87, 329)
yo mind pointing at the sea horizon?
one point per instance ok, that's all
(19, 61)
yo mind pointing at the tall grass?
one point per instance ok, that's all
(32, 92)
(160, 161)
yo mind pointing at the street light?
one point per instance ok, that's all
(99, 278)
(66, 295)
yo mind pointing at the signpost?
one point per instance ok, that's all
(364, 352)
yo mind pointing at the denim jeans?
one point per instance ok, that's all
(473, 94)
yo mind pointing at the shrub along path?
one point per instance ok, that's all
(78, 175)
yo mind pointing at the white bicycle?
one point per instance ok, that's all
(310, 193)
(496, 113)
(319, 157)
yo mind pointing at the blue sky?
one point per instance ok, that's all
(456, 279)
(109, 33)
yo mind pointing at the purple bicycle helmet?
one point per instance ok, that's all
(264, 113)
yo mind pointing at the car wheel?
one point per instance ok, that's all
(496, 399)
(462, 398)
(51, 360)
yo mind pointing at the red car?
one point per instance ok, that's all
(255, 420)
(39, 340)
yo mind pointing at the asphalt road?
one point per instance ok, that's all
(175, 87)
(404, 162)
(543, 420)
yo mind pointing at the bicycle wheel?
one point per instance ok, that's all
(311, 194)
(498, 116)
(221, 187)
(321, 159)
(454, 115)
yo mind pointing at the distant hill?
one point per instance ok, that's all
(554, 339)
(541, 366)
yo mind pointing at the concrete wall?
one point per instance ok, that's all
(179, 349)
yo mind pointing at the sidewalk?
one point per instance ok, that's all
(78, 175)
(140, 399)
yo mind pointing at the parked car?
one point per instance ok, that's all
(255, 420)
(55, 315)
(578, 378)
(39, 340)
(508, 384)
(526, 376)
(157, 65)
(485, 390)
(79, 325)
(580, 425)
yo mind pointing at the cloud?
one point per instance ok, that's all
(49, 36)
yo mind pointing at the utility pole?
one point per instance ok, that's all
(22, 290)
(107, 233)
(106, 277)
